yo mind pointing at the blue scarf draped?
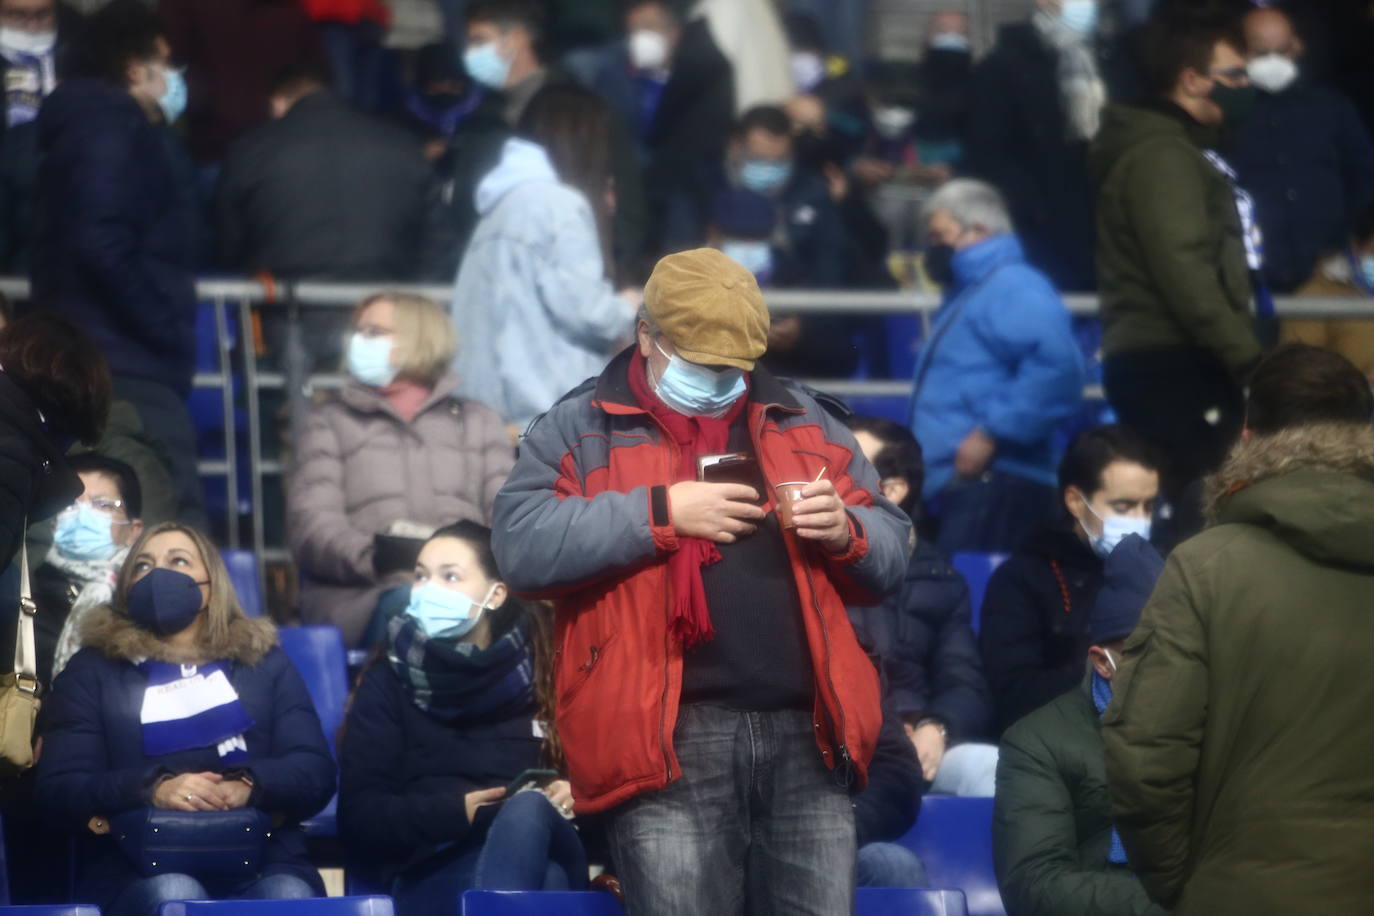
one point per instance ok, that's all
(457, 682)
(186, 707)
(1102, 698)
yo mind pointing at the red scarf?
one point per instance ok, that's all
(691, 618)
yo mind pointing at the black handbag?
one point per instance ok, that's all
(214, 844)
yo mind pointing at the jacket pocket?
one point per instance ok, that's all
(577, 666)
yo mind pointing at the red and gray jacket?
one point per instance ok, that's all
(584, 519)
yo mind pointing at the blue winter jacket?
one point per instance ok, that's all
(113, 243)
(93, 761)
(1000, 357)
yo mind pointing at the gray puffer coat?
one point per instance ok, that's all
(359, 467)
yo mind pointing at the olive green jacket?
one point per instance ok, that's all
(1240, 741)
(1051, 829)
(1170, 253)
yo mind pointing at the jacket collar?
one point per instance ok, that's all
(57, 486)
(977, 262)
(613, 394)
(366, 399)
(249, 639)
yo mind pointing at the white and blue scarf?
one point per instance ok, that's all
(192, 706)
(1251, 233)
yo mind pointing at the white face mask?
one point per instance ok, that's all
(648, 50)
(808, 69)
(1272, 72)
(35, 44)
(1111, 661)
(891, 121)
(1115, 529)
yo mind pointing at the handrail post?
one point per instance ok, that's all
(226, 378)
(253, 397)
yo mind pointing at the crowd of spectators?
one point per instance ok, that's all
(563, 511)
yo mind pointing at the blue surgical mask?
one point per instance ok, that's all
(1079, 15)
(486, 65)
(165, 601)
(764, 175)
(698, 391)
(443, 612)
(949, 41)
(754, 256)
(173, 98)
(369, 360)
(1367, 268)
(1115, 529)
(85, 533)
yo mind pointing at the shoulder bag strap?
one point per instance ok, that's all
(25, 655)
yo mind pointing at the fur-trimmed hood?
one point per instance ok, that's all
(248, 641)
(1313, 486)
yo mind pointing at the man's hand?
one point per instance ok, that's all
(974, 454)
(719, 512)
(474, 800)
(930, 748)
(820, 516)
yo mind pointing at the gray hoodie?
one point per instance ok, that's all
(534, 311)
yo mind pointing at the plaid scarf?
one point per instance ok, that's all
(1080, 84)
(1102, 698)
(456, 682)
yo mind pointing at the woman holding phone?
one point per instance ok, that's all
(449, 763)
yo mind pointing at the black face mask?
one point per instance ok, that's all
(1236, 102)
(939, 262)
(164, 601)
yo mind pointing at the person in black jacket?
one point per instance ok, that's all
(1034, 635)
(1037, 100)
(54, 390)
(888, 806)
(674, 87)
(113, 244)
(455, 707)
(924, 637)
(1303, 154)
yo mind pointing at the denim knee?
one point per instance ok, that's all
(528, 806)
(278, 887)
(143, 896)
(889, 865)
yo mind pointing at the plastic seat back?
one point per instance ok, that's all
(243, 573)
(319, 655)
(904, 901)
(540, 903)
(953, 839)
(977, 569)
(318, 906)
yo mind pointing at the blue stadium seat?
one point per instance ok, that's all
(540, 903)
(56, 909)
(953, 839)
(977, 569)
(319, 906)
(243, 573)
(902, 901)
(318, 654)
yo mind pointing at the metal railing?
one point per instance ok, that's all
(238, 298)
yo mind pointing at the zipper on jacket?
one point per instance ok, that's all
(841, 749)
(590, 663)
(675, 459)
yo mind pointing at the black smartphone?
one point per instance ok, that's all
(732, 467)
(536, 778)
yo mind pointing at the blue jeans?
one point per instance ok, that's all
(754, 824)
(991, 513)
(144, 896)
(890, 865)
(968, 770)
(529, 847)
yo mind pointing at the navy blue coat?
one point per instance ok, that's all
(1307, 159)
(404, 775)
(93, 761)
(1036, 614)
(113, 242)
(924, 636)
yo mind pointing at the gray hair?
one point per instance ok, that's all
(972, 204)
(643, 315)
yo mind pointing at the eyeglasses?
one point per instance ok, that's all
(99, 504)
